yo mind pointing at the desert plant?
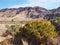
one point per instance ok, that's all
(56, 23)
(38, 31)
(12, 29)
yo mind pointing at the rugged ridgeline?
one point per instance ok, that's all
(28, 13)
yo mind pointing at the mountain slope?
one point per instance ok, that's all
(28, 13)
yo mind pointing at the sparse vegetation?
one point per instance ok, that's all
(12, 30)
(35, 32)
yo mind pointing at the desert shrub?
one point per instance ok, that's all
(56, 23)
(12, 29)
(38, 31)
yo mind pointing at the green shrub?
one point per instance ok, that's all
(38, 31)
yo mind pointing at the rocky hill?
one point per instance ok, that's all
(28, 13)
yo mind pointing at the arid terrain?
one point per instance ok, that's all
(22, 15)
(28, 13)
